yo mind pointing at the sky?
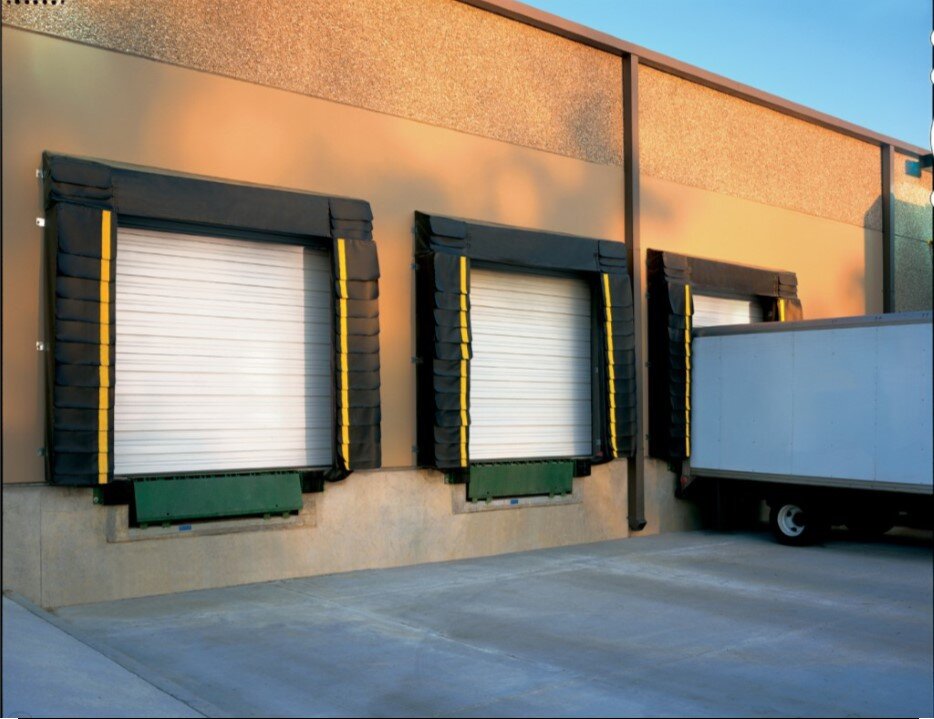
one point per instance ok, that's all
(865, 61)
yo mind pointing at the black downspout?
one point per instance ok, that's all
(636, 463)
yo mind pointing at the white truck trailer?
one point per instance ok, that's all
(829, 421)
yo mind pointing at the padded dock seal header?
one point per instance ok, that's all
(87, 200)
(672, 281)
(445, 248)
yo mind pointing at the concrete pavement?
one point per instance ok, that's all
(47, 672)
(698, 624)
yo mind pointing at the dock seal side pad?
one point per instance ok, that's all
(356, 336)
(443, 344)
(445, 249)
(86, 200)
(673, 279)
(80, 264)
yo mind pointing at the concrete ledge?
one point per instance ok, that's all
(119, 529)
(461, 505)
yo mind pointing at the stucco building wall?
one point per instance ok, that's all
(429, 105)
(139, 111)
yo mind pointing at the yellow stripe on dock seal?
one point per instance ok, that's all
(610, 371)
(343, 355)
(103, 399)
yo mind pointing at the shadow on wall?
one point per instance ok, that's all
(862, 280)
(398, 165)
(240, 132)
(654, 207)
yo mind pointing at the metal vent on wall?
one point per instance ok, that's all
(223, 354)
(530, 383)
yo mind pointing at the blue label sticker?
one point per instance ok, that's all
(184, 528)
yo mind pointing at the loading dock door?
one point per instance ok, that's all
(223, 354)
(712, 311)
(530, 372)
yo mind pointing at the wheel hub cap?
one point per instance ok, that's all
(791, 520)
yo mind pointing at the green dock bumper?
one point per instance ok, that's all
(517, 479)
(172, 500)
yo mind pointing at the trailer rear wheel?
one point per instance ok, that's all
(797, 524)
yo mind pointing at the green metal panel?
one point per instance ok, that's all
(516, 479)
(169, 500)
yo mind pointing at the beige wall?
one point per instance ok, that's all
(85, 101)
(75, 99)
(839, 265)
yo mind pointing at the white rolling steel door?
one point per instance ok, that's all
(530, 372)
(223, 354)
(713, 311)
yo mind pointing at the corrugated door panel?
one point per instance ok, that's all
(712, 311)
(223, 354)
(530, 372)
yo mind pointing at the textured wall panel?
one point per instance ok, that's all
(914, 215)
(696, 136)
(913, 277)
(437, 61)
(914, 227)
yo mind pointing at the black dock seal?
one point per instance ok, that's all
(85, 202)
(672, 281)
(445, 249)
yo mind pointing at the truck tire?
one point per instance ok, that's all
(797, 523)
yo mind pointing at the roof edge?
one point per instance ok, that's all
(554, 24)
